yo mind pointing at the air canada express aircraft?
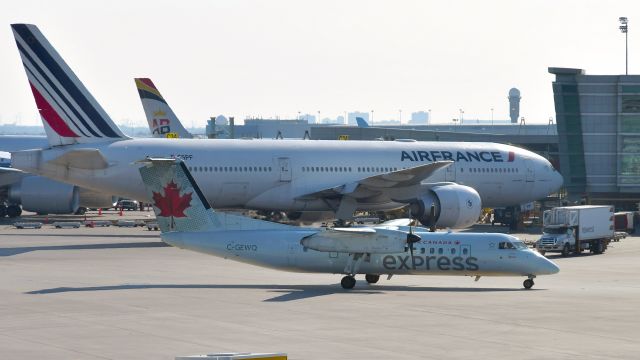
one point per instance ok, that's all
(454, 179)
(187, 221)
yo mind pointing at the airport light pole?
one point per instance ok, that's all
(400, 116)
(429, 119)
(624, 28)
(491, 116)
(371, 117)
(461, 116)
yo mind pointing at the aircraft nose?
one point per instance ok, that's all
(546, 266)
(556, 181)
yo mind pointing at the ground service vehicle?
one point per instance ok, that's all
(576, 228)
(624, 221)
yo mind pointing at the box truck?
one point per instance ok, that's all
(574, 229)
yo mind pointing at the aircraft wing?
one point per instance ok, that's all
(10, 175)
(397, 222)
(375, 184)
(344, 233)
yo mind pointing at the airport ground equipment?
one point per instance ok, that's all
(153, 226)
(187, 221)
(576, 228)
(67, 224)
(97, 223)
(236, 356)
(624, 221)
(27, 225)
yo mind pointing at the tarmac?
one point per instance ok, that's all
(120, 293)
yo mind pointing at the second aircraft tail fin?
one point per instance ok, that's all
(180, 205)
(162, 121)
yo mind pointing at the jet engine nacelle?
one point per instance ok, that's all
(42, 195)
(94, 199)
(456, 206)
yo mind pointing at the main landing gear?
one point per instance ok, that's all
(348, 282)
(372, 278)
(528, 284)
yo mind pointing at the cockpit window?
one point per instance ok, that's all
(512, 245)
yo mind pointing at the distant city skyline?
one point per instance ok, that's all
(280, 58)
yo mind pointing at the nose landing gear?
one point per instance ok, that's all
(528, 284)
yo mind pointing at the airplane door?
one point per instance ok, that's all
(530, 175)
(284, 164)
(450, 173)
(291, 256)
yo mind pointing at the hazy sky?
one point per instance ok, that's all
(271, 57)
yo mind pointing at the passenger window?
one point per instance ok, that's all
(440, 251)
(453, 251)
(432, 251)
(465, 251)
(422, 250)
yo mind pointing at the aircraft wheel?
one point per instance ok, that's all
(528, 284)
(348, 282)
(81, 211)
(13, 211)
(566, 250)
(371, 278)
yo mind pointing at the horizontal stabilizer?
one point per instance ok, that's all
(86, 159)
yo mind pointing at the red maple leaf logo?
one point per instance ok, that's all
(172, 204)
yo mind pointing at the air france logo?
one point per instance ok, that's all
(466, 156)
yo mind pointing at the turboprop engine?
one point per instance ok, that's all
(454, 206)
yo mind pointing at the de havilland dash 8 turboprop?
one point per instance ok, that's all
(187, 221)
(87, 149)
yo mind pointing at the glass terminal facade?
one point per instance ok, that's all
(598, 120)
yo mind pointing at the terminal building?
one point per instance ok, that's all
(598, 121)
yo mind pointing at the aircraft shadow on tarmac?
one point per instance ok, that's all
(21, 250)
(289, 292)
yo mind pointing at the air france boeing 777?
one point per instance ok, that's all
(456, 179)
(187, 221)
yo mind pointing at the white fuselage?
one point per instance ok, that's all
(438, 253)
(274, 174)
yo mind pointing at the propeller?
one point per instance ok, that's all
(412, 239)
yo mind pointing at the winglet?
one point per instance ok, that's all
(362, 122)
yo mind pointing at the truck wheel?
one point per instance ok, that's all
(599, 247)
(542, 252)
(566, 250)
